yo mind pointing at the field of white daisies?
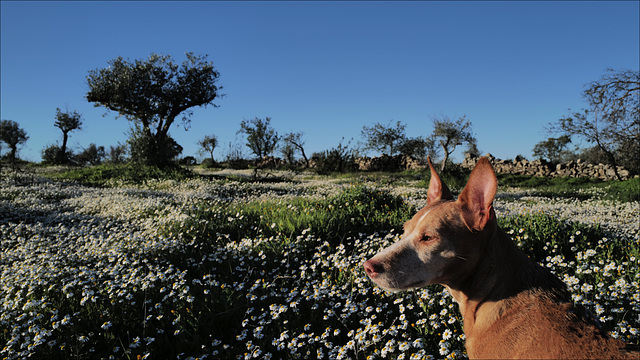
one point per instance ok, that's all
(213, 268)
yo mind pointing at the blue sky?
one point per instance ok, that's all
(323, 68)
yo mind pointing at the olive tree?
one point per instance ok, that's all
(208, 144)
(387, 139)
(154, 92)
(452, 133)
(12, 135)
(294, 141)
(92, 155)
(391, 139)
(262, 138)
(612, 120)
(67, 122)
(553, 149)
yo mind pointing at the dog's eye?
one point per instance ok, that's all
(426, 238)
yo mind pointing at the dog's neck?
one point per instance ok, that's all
(503, 272)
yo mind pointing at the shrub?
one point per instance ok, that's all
(208, 164)
(52, 155)
(338, 159)
(152, 150)
(92, 155)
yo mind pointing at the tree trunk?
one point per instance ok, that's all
(613, 162)
(611, 157)
(304, 156)
(446, 156)
(444, 162)
(65, 137)
(12, 154)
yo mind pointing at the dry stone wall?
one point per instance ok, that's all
(388, 163)
(518, 166)
(576, 168)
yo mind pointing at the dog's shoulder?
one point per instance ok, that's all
(553, 326)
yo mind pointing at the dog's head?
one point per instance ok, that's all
(443, 242)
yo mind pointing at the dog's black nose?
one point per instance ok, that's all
(372, 268)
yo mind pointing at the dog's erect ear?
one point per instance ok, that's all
(437, 189)
(476, 199)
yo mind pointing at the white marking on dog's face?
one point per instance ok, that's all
(423, 255)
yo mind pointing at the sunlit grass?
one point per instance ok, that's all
(356, 209)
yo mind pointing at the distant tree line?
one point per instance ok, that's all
(153, 93)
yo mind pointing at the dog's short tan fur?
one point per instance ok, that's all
(512, 307)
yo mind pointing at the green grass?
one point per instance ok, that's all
(628, 190)
(455, 177)
(357, 209)
(103, 175)
(580, 188)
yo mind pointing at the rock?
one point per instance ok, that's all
(624, 174)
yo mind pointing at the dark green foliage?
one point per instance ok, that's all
(553, 149)
(158, 150)
(209, 164)
(293, 142)
(188, 161)
(12, 135)
(455, 176)
(52, 155)
(419, 148)
(451, 133)
(386, 139)
(92, 155)
(66, 122)
(338, 159)
(392, 140)
(208, 144)
(611, 121)
(152, 93)
(117, 154)
(262, 138)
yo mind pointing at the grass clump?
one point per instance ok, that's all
(628, 190)
(357, 209)
(579, 188)
(113, 174)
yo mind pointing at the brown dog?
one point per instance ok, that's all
(512, 307)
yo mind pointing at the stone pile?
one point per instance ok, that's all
(541, 168)
(519, 166)
(388, 163)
